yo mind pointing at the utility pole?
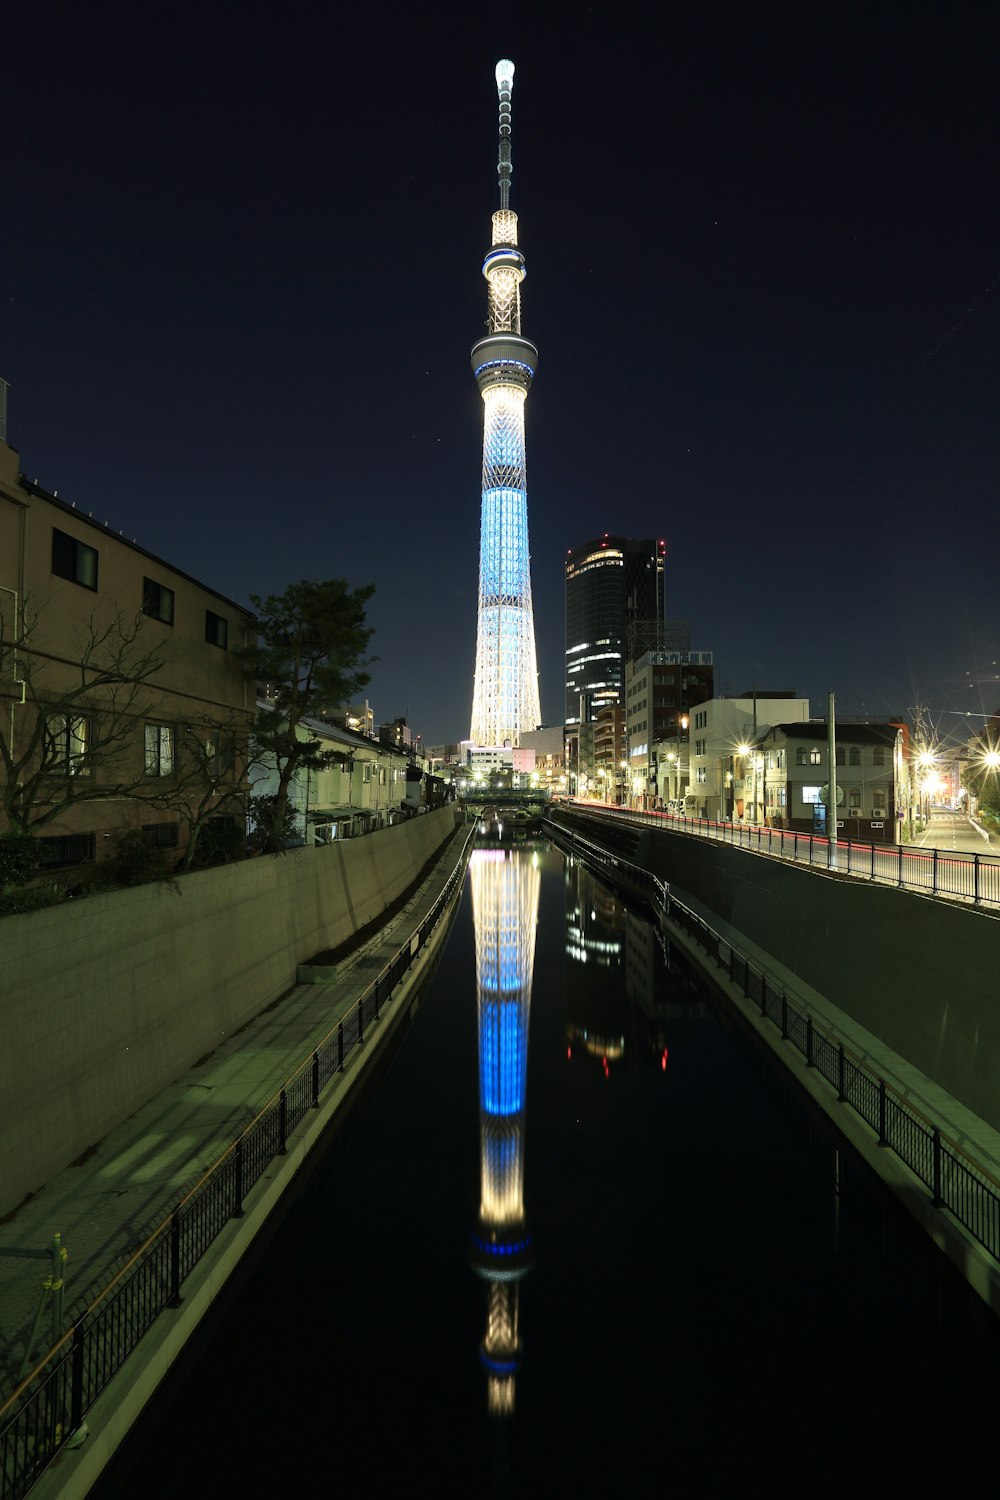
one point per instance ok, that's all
(831, 806)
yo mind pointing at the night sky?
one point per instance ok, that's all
(240, 278)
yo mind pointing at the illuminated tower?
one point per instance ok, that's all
(505, 696)
(505, 890)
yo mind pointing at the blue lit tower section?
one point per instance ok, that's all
(505, 696)
(505, 888)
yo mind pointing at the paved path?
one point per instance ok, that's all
(106, 1207)
(956, 833)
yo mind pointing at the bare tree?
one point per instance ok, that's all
(210, 777)
(68, 727)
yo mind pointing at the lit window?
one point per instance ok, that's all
(810, 795)
(67, 741)
(815, 756)
(159, 750)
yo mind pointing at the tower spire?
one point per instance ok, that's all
(505, 700)
(505, 86)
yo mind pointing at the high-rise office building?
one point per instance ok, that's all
(505, 698)
(614, 598)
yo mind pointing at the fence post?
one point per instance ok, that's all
(175, 1259)
(784, 1017)
(76, 1395)
(881, 1113)
(975, 878)
(315, 1080)
(361, 1018)
(841, 1095)
(937, 1199)
(809, 1041)
(282, 1123)
(934, 870)
(237, 1212)
(900, 876)
(340, 1047)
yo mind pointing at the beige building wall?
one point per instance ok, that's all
(200, 680)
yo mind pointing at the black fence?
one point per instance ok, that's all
(954, 1180)
(973, 877)
(50, 1405)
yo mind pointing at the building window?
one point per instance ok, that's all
(159, 746)
(815, 756)
(67, 849)
(157, 601)
(854, 800)
(220, 753)
(810, 795)
(801, 756)
(840, 755)
(67, 744)
(160, 835)
(216, 630)
(878, 756)
(855, 756)
(700, 774)
(73, 560)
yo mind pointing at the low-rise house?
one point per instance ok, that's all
(362, 787)
(791, 766)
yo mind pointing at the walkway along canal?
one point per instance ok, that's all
(584, 1240)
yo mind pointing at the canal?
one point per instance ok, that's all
(582, 1241)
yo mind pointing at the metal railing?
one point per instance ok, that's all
(956, 1182)
(973, 877)
(49, 1406)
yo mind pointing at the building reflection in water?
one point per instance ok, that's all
(620, 993)
(505, 889)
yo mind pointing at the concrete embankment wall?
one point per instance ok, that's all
(106, 1001)
(921, 974)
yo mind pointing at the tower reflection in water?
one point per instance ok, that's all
(505, 888)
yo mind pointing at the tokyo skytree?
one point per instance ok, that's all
(505, 696)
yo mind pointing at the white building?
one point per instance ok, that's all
(362, 788)
(706, 769)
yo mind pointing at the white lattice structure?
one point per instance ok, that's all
(505, 891)
(505, 698)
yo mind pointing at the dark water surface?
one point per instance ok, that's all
(704, 1314)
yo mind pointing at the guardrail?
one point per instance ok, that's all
(957, 1183)
(974, 877)
(49, 1406)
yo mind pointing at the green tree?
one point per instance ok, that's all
(310, 655)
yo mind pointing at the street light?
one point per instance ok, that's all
(742, 750)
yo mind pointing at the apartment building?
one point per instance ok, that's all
(122, 702)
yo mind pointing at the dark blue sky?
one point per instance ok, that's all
(241, 277)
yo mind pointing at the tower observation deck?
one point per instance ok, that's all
(505, 699)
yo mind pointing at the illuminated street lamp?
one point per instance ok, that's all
(742, 750)
(926, 759)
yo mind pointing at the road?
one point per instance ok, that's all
(956, 833)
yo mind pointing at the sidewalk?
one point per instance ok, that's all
(107, 1204)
